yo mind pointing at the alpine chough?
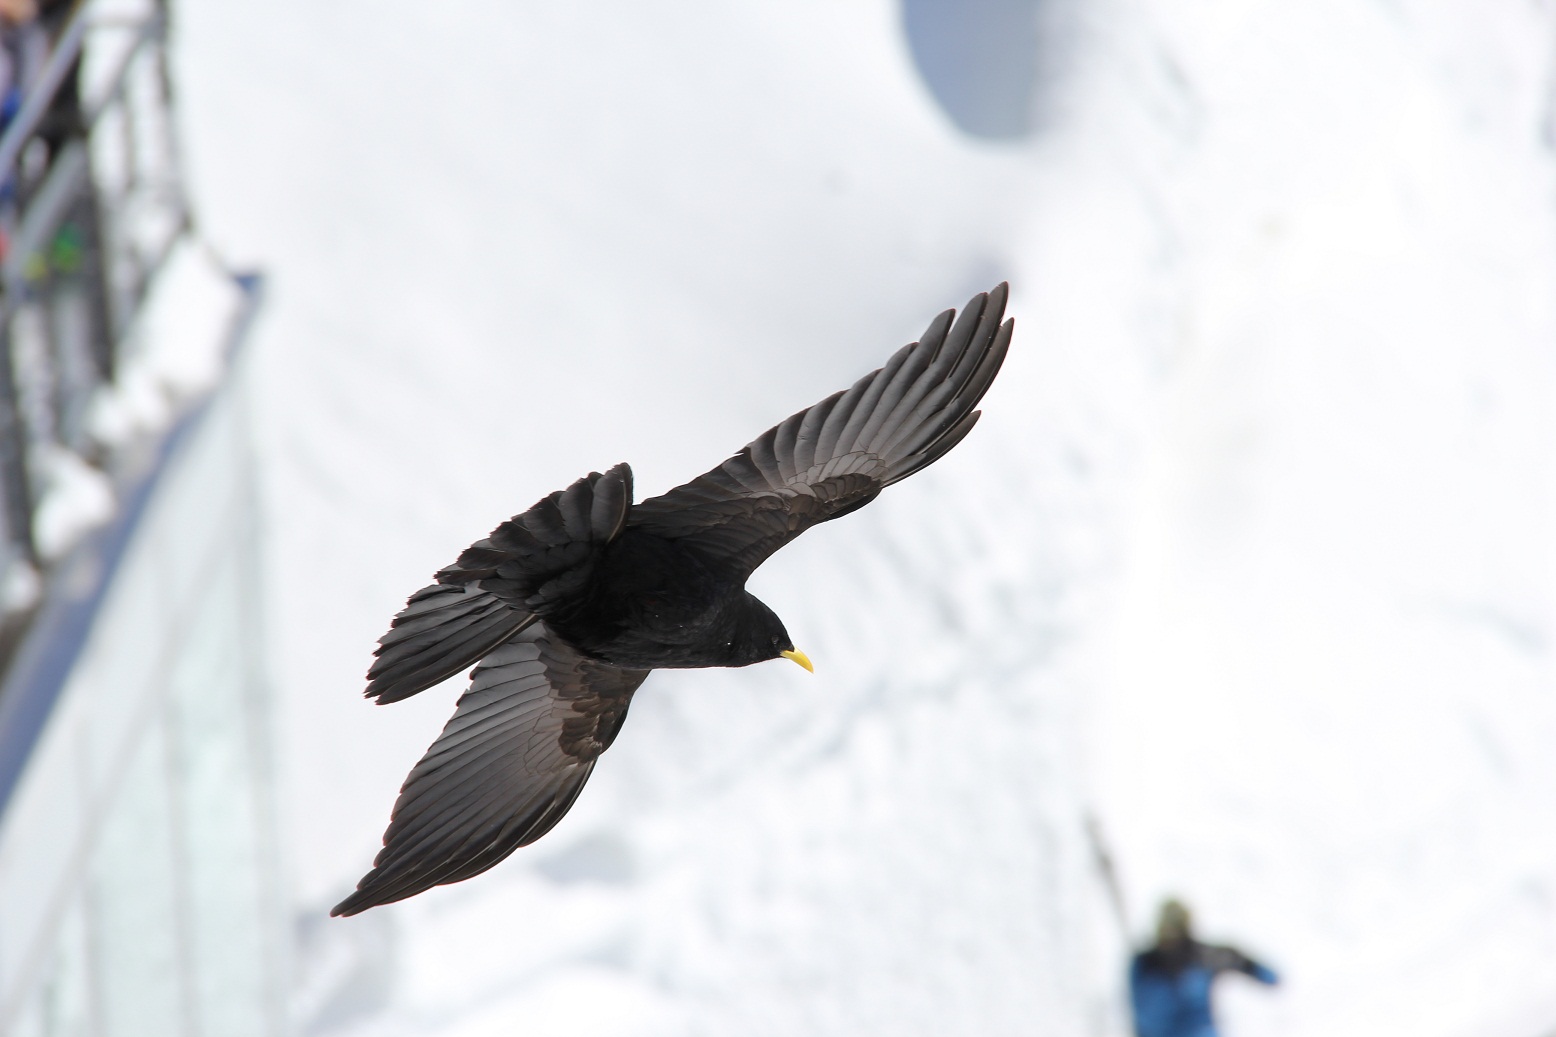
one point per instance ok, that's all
(566, 608)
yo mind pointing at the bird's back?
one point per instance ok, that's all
(653, 603)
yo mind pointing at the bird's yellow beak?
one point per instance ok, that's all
(797, 656)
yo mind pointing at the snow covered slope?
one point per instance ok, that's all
(1251, 555)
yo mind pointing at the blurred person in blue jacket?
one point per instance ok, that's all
(1169, 983)
(23, 48)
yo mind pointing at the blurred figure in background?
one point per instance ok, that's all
(23, 47)
(1169, 983)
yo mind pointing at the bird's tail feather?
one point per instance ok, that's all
(542, 555)
(442, 630)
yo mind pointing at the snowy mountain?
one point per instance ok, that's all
(1250, 557)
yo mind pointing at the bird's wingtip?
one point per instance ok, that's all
(360, 900)
(352, 905)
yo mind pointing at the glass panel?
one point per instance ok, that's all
(61, 1005)
(137, 874)
(44, 826)
(222, 824)
(133, 902)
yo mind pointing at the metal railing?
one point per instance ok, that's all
(91, 208)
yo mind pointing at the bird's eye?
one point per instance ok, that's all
(775, 640)
(729, 644)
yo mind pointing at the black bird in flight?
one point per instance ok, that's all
(568, 606)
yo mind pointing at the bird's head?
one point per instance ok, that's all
(758, 636)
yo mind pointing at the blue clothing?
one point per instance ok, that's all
(1169, 987)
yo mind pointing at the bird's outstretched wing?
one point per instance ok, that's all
(512, 759)
(500, 584)
(835, 457)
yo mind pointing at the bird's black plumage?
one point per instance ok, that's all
(566, 607)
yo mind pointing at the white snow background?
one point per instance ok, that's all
(1252, 555)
